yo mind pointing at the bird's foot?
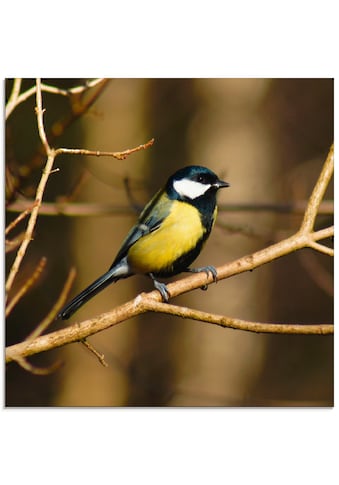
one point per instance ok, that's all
(161, 287)
(207, 270)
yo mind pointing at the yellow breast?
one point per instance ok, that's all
(178, 234)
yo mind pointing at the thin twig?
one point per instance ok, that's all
(12, 244)
(26, 286)
(71, 91)
(321, 248)
(13, 99)
(19, 218)
(97, 354)
(318, 193)
(50, 317)
(40, 371)
(235, 323)
(97, 153)
(40, 117)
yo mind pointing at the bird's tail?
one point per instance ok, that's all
(88, 293)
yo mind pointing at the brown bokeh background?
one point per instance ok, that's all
(269, 139)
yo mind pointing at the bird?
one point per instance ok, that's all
(168, 236)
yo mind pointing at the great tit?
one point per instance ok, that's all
(168, 236)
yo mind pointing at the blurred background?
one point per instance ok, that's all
(268, 138)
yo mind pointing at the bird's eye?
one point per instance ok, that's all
(200, 178)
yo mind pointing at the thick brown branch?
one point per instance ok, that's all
(142, 303)
(74, 333)
(248, 263)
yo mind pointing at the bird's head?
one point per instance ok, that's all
(191, 182)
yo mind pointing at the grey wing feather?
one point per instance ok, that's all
(149, 221)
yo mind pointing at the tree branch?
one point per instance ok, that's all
(19, 218)
(16, 98)
(97, 354)
(318, 193)
(39, 193)
(50, 317)
(13, 102)
(40, 371)
(235, 323)
(97, 153)
(26, 286)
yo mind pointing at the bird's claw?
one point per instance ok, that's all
(162, 288)
(207, 270)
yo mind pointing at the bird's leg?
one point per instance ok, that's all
(204, 269)
(161, 287)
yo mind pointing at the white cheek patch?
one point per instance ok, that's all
(190, 188)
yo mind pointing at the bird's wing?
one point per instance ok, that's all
(149, 220)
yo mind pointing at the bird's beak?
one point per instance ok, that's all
(220, 184)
